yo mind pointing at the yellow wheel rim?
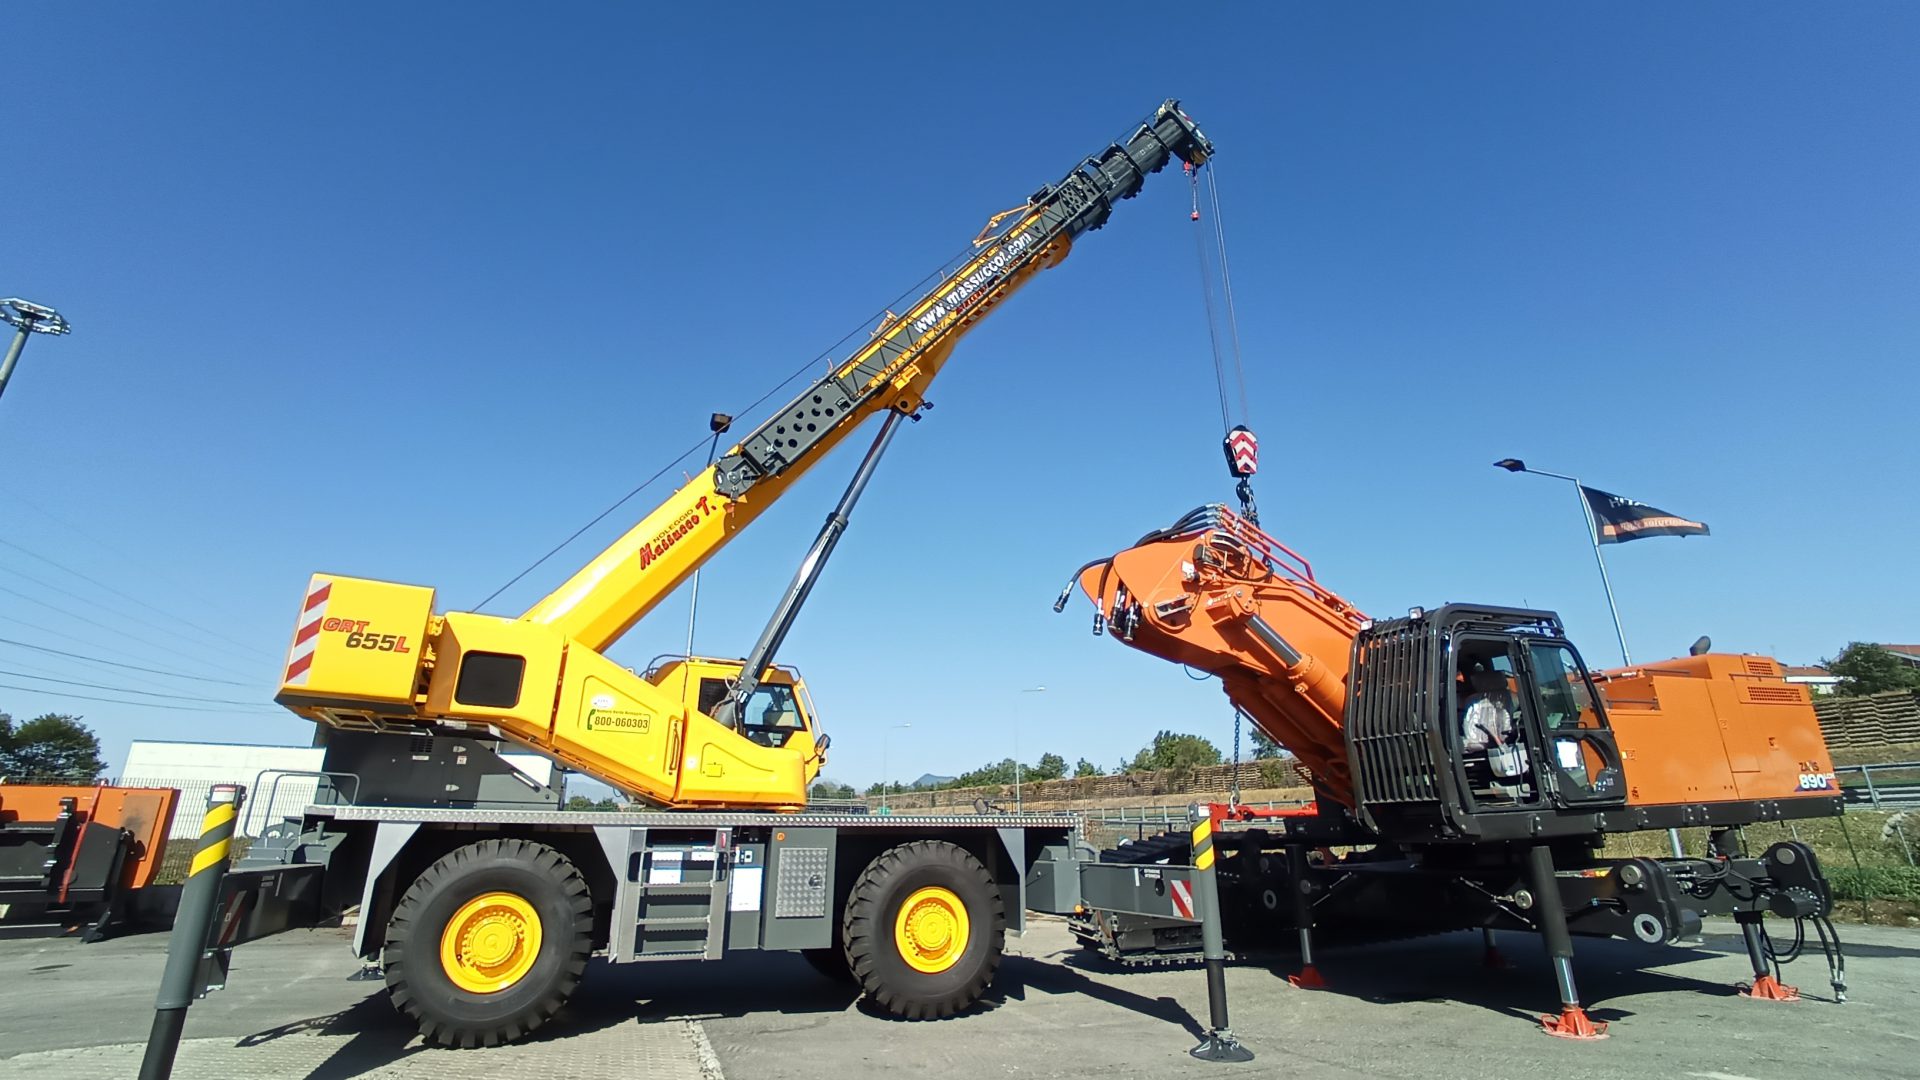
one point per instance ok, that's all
(490, 943)
(932, 930)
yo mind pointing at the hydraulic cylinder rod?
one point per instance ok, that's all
(728, 711)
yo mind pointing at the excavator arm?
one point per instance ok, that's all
(1214, 592)
(371, 655)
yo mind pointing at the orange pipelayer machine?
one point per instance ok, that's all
(1471, 765)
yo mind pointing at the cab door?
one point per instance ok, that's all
(1579, 763)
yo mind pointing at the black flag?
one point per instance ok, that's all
(1620, 520)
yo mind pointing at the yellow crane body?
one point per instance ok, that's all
(374, 655)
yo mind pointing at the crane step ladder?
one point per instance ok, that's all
(674, 902)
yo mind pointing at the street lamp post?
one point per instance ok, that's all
(1017, 804)
(26, 318)
(1515, 465)
(885, 738)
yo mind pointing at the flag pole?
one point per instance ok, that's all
(1593, 534)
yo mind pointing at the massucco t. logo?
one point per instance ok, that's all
(637, 723)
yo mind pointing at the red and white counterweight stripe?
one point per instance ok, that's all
(307, 638)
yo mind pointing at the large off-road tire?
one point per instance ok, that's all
(924, 929)
(489, 942)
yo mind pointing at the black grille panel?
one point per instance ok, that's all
(1389, 720)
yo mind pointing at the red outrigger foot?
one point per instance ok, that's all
(1572, 1023)
(1495, 960)
(1768, 988)
(1308, 979)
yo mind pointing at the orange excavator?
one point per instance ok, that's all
(1467, 767)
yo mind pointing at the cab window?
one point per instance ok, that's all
(770, 717)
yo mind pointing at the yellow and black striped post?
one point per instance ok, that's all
(1219, 1045)
(192, 929)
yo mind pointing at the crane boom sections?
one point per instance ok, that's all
(623, 583)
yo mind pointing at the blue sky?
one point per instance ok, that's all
(411, 293)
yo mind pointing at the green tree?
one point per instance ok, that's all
(1051, 767)
(1264, 749)
(881, 787)
(992, 775)
(1870, 669)
(1172, 750)
(581, 802)
(1085, 768)
(827, 790)
(53, 746)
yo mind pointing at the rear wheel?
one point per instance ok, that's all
(924, 930)
(488, 942)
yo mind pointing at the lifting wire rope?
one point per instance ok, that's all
(1242, 448)
(829, 358)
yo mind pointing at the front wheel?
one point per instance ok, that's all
(924, 930)
(488, 942)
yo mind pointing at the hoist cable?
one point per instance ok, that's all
(1226, 285)
(830, 357)
(1206, 295)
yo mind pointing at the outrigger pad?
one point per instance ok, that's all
(1572, 1023)
(1768, 988)
(1308, 979)
(1221, 1046)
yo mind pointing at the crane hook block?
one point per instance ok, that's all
(1243, 451)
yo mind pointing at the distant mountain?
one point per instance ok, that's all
(928, 780)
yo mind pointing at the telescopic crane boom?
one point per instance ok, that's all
(373, 655)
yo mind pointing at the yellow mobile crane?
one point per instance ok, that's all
(373, 655)
(483, 905)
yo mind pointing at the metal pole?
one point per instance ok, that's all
(1219, 1045)
(728, 711)
(718, 423)
(192, 929)
(1613, 608)
(13, 354)
(1593, 535)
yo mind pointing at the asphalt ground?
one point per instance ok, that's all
(1424, 1008)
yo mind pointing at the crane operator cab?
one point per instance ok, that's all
(778, 713)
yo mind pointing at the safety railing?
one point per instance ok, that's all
(1890, 791)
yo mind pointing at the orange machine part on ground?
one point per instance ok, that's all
(147, 813)
(1709, 728)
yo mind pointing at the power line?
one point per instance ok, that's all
(123, 689)
(914, 292)
(175, 620)
(110, 663)
(116, 630)
(71, 595)
(121, 701)
(135, 561)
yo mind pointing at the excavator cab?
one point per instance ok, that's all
(1509, 739)
(1531, 731)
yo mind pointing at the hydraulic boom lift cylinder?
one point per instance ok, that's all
(728, 711)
